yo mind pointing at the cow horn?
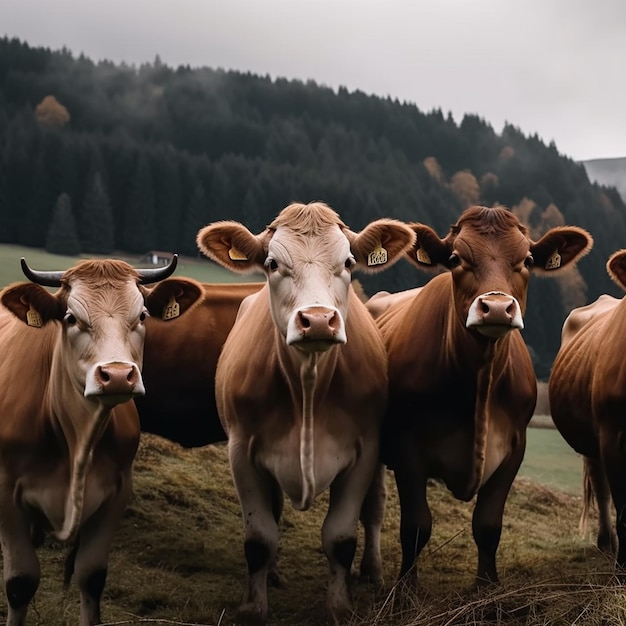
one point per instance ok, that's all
(155, 275)
(47, 279)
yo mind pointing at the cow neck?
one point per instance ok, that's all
(476, 357)
(82, 423)
(308, 378)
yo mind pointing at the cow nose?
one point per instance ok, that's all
(117, 378)
(318, 323)
(494, 314)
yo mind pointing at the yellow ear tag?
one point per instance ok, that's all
(172, 309)
(422, 256)
(554, 262)
(236, 255)
(33, 318)
(378, 256)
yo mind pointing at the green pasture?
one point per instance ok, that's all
(550, 461)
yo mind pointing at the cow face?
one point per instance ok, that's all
(490, 257)
(308, 255)
(101, 309)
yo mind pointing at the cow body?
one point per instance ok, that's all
(461, 383)
(587, 390)
(71, 364)
(301, 385)
(180, 358)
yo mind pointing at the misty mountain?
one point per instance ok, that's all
(609, 172)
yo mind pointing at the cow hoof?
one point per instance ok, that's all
(251, 614)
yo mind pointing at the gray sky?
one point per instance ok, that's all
(552, 67)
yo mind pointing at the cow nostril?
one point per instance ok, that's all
(484, 306)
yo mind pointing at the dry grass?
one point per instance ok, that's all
(178, 559)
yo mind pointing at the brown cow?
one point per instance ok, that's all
(587, 390)
(180, 357)
(461, 382)
(301, 383)
(69, 430)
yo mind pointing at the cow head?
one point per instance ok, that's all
(490, 256)
(308, 255)
(101, 306)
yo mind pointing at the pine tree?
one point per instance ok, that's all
(96, 223)
(139, 233)
(62, 235)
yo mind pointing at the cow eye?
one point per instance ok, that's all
(271, 265)
(350, 263)
(143, 316)
(454, 260)
(70, 319)
(529, 261)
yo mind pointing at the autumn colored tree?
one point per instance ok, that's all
(434, 169)
(50, 112)
(466, 188)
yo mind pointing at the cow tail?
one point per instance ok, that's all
(79, 470)
(588, 498)
(308, 378)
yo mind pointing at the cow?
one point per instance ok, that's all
(587, 391)
(301, 384)
(71, 365)
(180, 357)
(461, 383)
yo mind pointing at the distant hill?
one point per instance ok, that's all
(609, 172)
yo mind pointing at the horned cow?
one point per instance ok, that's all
(70, 366)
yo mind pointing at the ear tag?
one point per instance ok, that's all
(422, 256)
(236, 255)
(378, 256)
(33, 318)
(172, 309)
(554, 262)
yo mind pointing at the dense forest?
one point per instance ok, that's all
(98, 157)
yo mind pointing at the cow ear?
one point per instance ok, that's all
(616, 267)
(233, 246)
(172, 297)
(560, 247)
(428, 251)
(380, 244)
(32, 303)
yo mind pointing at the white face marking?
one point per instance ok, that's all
(104, 337)
(309, 279)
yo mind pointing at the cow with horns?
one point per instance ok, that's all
(71, 364)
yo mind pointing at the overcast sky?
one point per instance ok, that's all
(552, 67)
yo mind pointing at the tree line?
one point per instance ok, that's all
(101, 157)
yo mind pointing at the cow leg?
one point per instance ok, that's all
(372, 516)
(415, 516)
(488, 512)
(274, 577)
(612, 452)
(93, 549)
(259, 508)
(339, 530)
(20, 563)
(594, 471)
